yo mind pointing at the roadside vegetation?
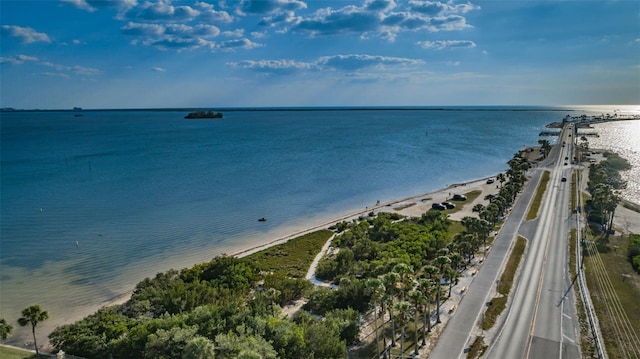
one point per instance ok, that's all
(537, 200)
(477, 349)
(292, 259)
(395, 269)
(608, 261)
(614, 289)
(12, 353)
(498, 303)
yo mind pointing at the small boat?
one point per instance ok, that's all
(262, 219)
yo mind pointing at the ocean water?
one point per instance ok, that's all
(622, 137)
(91, 205)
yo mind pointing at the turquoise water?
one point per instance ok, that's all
(91, 205)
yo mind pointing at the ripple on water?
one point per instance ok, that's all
(622, 137)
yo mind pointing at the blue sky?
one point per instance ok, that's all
(143, 54)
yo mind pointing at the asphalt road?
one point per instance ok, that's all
(541, 320)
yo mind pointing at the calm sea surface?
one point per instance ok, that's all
(91, 205)
(622, 137)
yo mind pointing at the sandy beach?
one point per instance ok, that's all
(409, 206)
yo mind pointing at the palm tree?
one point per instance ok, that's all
(610, 205)
(602, 195)
(403, 314)
(430, 270)
(544, 144)
(376, 289)
(389, 280)
(5, 329)
(404, 270)
(451, 275)
(442, 261)
(501, 178)
(418, 300)
(33, 315)
(426, 288)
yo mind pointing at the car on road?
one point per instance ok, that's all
(459, 197)
(564, 179)
(438, 206)
(490, 181)
(449, 205)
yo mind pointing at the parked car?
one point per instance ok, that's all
(490, 181)
(564, 179)
(449, 205)
(459, 197)
(438, 206)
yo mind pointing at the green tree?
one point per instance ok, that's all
(348, 323)
(199, 348)
(33, 315)
(323, 340)
(5, 329)
(402, 317)
(418, 300)
(442, 261)
(376, 290)
(170, 343)
(426, 287)
(389, 280)
(544, 144)
(405, 272)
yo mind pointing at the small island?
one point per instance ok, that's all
(203, 114)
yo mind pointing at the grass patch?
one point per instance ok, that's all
(537, 200)
(586, 339)
(477, 349)
(499, 303)
(572, 200)
(293, 258)
(400, 208)
(626, 284)
(11, 353)
(471, 196)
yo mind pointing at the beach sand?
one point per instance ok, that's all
(413, 206)
(410, 206)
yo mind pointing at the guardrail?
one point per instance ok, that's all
(584, 291)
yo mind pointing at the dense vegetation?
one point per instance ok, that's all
(634, 251)
(604, 185)
(230, 307)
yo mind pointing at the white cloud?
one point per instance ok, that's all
(25, 35)
(18, 59)
(74, 70)
(239, 43)
(274, 66)
(93, 5)
(158, 69)
(446, 44)
(163, 10)
(357, 61)
(349, 62)
(385, 19)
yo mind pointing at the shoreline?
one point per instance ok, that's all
(417, 204)
(23, 340)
